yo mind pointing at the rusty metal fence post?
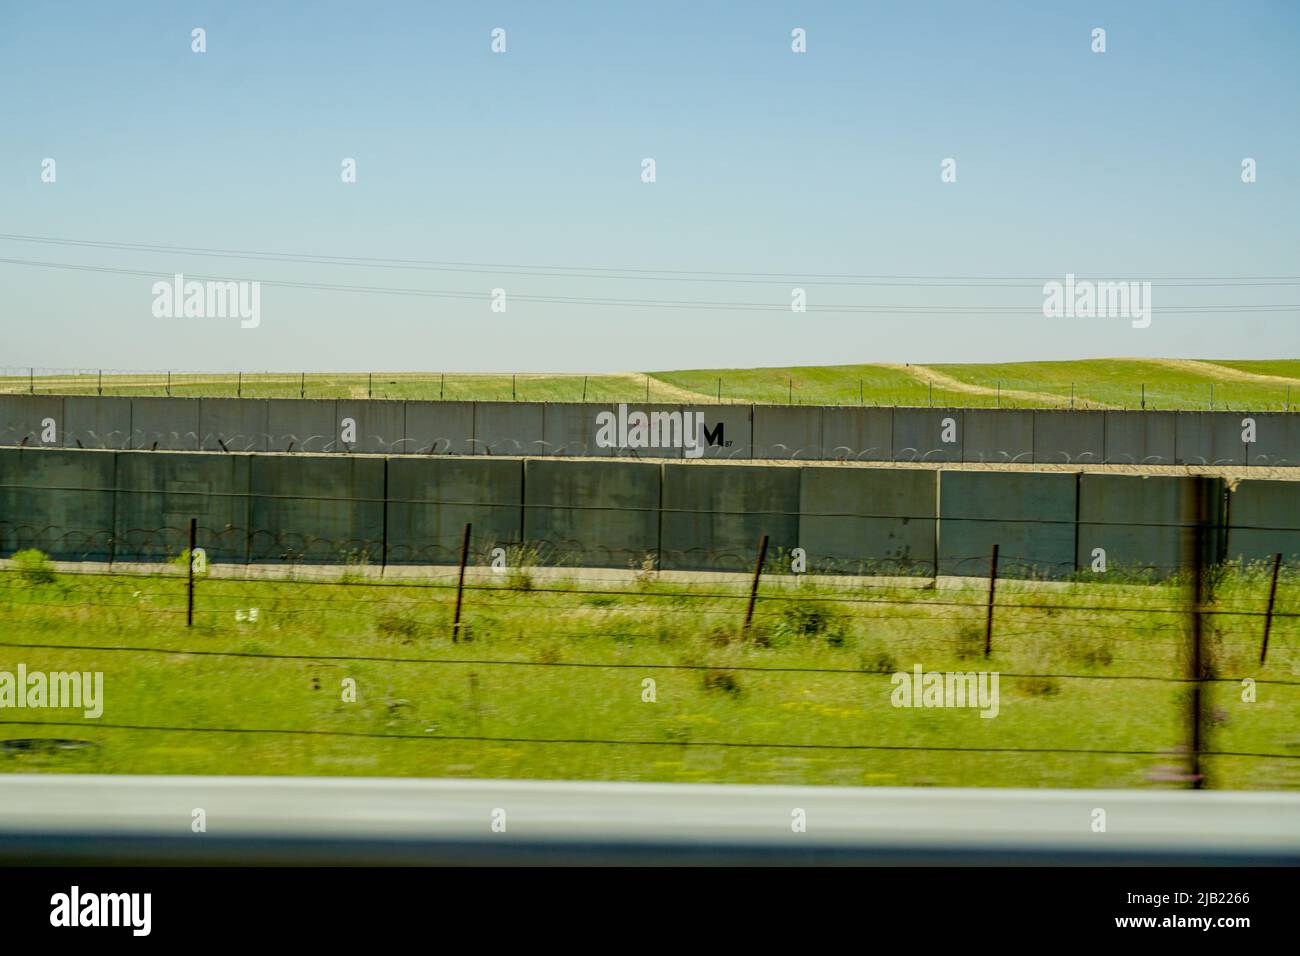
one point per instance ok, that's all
(460, 585)
(1272, 599)
(753, 587)
(1198, 541)
(993, 587)
(189, 589)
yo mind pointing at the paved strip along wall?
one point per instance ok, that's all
(734, 432)
(106, 505)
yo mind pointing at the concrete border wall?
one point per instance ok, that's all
(234, 424)
(868, 520)
(25, 420)
(1277, 441)
(326, 510)
(509, 428)
(1139, 523)
(104, 505)
(760, 432)
(713, 517)
(592, 513)
(439, 428)
(97, 422)
(370, 428)
(928, 434)
(59, 501)
(665, 444)
(157, 495)
(1069, 438)
(302, 424)
(1029, 516)
(1140, 438)
(856, 434)
(794, 432)
(430, 500)
(1264, 519)
(1208, 438)
(1003, 437)
(569, 429)
(167, 424)
(735, 442)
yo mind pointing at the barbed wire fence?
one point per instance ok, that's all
(1007, 393)
(1197, 626)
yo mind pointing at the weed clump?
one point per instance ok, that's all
(644, 575)
(1090, 653)
(805, 619)
(1040, 686)
(392, 624)
(880, 662)
(721, 681)
(970, 642)
(34, 566)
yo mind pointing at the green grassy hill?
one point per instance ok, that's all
(1091, 383)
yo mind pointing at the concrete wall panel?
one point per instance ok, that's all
(1277, 439)
(714, 515)
(1140, 438)
(94, 422)
(509, 428)
(667, 446)
(1264, 519)
(792, 431)
(862, 521)
(1142, 523)
(165, 424)
(302, 424)
(430, 500)
(1069, 437)
(1193, 440)
(440, 428)
(238, 424)
(1029, 516)
(736, 440)
(857, 434)
(380, 427)
(1208, 438)
(570, 429)
(919, 432)
(593, 513)
(998, 435)
(58, 501)
(316, 509)
(158, 494)
(23, 420)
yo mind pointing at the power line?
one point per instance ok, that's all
(597, 272)
(702, 304)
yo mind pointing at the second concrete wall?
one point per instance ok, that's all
(738, 432)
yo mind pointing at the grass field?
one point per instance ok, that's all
(1092, 383)
(550, 680)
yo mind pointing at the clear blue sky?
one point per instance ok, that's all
(1124, 165)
